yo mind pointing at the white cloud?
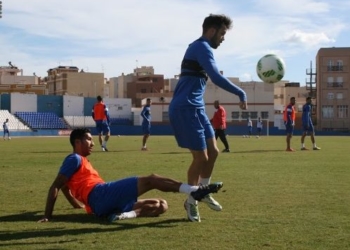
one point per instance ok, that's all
(293, 7)
(308, 39)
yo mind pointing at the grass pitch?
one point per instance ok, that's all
(271, 199)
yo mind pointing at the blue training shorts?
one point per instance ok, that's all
(289, 129)
(146, 128)
(191, 128)
(114, 197)
(102, 127)
(308, 128)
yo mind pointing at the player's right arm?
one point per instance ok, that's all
(306, 115)
(206, 60)
(70, 165)
(289, 116)
(57, 184)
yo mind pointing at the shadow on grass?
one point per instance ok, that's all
(48, 152)
(94, 152)
(258, 151)
(175, 153)
(74, 218)
(37, 215)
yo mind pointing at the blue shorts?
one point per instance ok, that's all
(114, 197)
(146, 128)
(191, 128)
(289, 129)
(309, 128)
(102, 127)
(6, 131)
(259, 130)
(250, 129)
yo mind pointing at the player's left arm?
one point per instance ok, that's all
(57, 184)
(206, 59)
(107, 114)
(222, 118)
(70, 198)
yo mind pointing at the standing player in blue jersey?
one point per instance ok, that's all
(308, 127)
(6, 129)
(187, 115)
(146, 123)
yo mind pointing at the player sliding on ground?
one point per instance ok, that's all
(84, 188)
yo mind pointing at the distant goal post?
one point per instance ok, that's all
(243, 122)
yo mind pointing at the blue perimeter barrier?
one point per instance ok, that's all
(166, 130)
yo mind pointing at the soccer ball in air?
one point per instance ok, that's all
(270, 68)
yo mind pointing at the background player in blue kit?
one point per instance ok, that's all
(146, 122)
(191, 126)
(6, 129)
(308, 126)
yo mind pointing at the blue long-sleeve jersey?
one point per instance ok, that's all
(306, 116)
(189, 90)
(146, 114)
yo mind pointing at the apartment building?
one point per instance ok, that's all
(68, 80)
(333, 92)
(12, 80)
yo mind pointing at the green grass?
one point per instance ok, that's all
(272, 199)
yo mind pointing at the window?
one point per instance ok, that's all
(143, 90)
(340, 80)
(235, 115)
(340, 65)
(342, 111)
(340, 96)
(327, 111)
(264, 115)
(245, 115)
(120, 107)
(330, 81)
(329, 65)
(254, 115)
(330, 96)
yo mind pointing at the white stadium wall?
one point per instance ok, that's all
(23, 102)
(118, 107)
(73, 105)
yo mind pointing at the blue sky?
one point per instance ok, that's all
(114, 36)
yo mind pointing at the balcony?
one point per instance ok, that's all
(335, 84)
(335, 68)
